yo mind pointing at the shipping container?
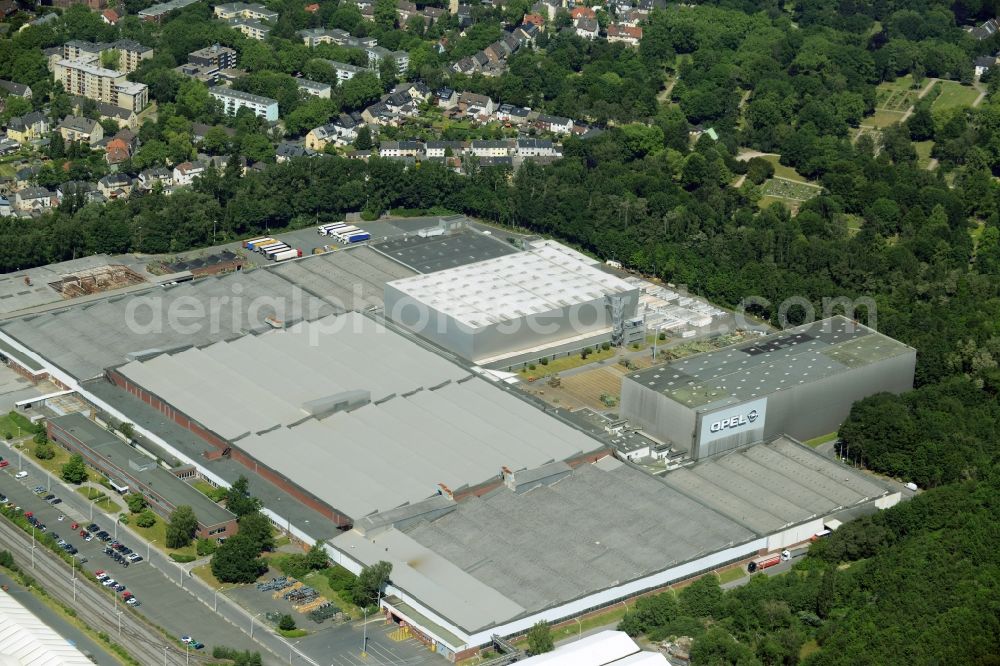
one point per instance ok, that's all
(357, 238)
(250, 243)
(328, 229)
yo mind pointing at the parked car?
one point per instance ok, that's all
(108, 582)
(55, 501)
(135, 557)
(48, 497)
(186, 640)
(119, 587)
(93, 527)
(100, 574)
(85, 534)
(4, 463)
(21, 475)
(132, 601)
(197, 646)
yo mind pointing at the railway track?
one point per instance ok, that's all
(140, 639)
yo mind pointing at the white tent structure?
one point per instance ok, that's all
(605, 648)
(27, 641)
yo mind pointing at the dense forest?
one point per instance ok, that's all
(917, 584)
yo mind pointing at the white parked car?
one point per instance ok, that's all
(21, 475)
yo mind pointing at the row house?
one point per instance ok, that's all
(554, 124)
(75, 129)
(627, 34)
(33, 199)
(340, 132)
(251, 28)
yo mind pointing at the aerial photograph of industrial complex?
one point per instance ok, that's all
(483, 332)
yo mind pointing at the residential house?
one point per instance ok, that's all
(527, 33)
(418, 91)
(234, 100)
(536, 20)
(491, 148)
(446, 98)
(30, 126)
(7, 8)
(547, 9)
(442, 149)
(632, 17)
(379, 114)
(82, 130)
(528, 147)
(475, 104)
(207, 63)
(984, 64)
(464, 15)
(186, 172)
(110, 16)
(6, 209)
(377, 54)
(288, 150)
(404, 10)
(554, 124)
(16, 89)
(396, 149)
(512, 115)
(318, 137)
(251, 28)
(89, 192)
(345, 72)
(117, 151)
(150, 177)
(627, 34)
(466, 66)
(586, 28)
(581, 11)
(25, 176)
(314, 88)
(243, 10)
(115, 186)
(986, 30)
(433, 15)
(311, 8)
(30, 199)
(8, 146)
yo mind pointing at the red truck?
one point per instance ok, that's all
(767, 561)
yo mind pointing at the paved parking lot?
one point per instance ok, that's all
(340, 643)
(163, 602)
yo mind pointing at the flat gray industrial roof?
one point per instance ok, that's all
(315, 524)
(85, 338)
(435, 253)
(506, 554)
(270, 378)
(773, 363)
(351, 279)
(428, 422)
(16, 295)
(121, 455)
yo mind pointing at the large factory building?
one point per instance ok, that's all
(518, 307)
(801, 382)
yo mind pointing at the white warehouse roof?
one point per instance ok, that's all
(545, 278)
(27, 641)
(605, 648)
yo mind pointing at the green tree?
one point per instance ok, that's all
(257, 527)
(371, 583)
(363, 141)
(826, 596)
(317, 558)
(111, 59)
(237, 561)
(44, 451)
(702, 598)
(127, 430)
(146, 519)
(74, 470)
(286, 622)
(540, 638)
(181, 527)
(385, 14)
(136, 502)
(239, 500)
(206, 547)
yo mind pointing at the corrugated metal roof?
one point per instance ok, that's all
(31, 642)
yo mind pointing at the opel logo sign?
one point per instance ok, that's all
(735, 421)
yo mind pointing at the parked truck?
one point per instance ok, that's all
(273, 250)
(262, 249)
(290, 253)
(327, 229)
(257, 242)
(768, 561)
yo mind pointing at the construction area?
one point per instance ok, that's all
(96, 280)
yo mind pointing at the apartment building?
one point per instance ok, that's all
(86, 79)
(234, 100)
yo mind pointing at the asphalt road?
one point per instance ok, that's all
(185, 605)
(57, 622)
(164, 602)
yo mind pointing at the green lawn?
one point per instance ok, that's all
(320, 583)
(822, 439)
(883, 118)
(612, 616)
(101, 500)
(729, 575)
(782, 171)
(953, 95)
(564, 363)
(854, 223)
(158, 534)
(924, 149)
(10, 423)
(210, 491)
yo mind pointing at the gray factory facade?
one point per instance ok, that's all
(801, 382)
